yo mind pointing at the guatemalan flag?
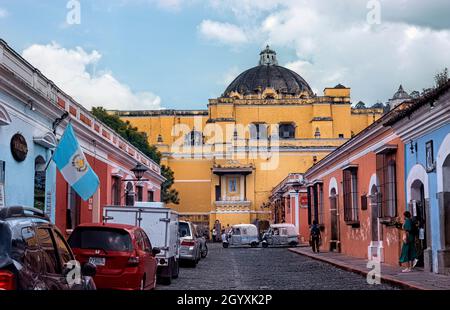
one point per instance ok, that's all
(74, 167)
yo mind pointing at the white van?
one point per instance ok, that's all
(161, 224)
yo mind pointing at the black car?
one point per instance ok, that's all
(34, 255)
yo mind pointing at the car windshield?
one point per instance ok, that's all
(184, 230)
(107, 239)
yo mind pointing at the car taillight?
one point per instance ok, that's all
(7, 280)
(133, 261)
(188, 243)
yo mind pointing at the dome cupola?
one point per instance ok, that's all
(269, 75)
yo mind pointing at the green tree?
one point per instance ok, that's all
(168, 194)
(140, 141)
(441, 78)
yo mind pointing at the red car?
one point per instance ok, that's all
(123, 255)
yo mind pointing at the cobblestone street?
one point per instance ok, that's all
(261, 269)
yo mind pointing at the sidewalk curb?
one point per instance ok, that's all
(384, 278)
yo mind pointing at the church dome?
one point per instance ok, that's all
(268, 74)
(401, 94)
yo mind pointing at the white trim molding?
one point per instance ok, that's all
(417, 172)
(333, 184)
(373, 182)
(444, 152)
(48, 140)
(5, 119)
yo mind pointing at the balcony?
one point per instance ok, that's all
(234, 205)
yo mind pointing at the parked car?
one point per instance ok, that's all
(123, 255)
(202, 239)
(189, 243)
(242, 234)
(280, 235)
(34, 255)
(161, 224)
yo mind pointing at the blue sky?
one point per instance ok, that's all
(180, 53)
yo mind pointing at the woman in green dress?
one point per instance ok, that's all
(408, 256)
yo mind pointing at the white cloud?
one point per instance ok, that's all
(69, 69)
(3, 13)
(222, 32)
(335, 44)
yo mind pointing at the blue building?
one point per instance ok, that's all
(26, 135)
(424, 126)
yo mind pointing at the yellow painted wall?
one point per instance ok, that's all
(195, 180)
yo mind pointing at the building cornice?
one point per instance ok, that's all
(23, 81)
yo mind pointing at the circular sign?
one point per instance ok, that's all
(19, 148)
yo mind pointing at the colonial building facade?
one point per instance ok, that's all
(359, 192)
(34, 113)
(424, 127)
(268, 123)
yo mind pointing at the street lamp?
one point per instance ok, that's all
(296, 186)
(139, 171)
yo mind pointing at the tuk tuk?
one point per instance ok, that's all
(280, 235)
(242, 234)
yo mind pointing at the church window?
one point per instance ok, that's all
(194, 138)
(258, 131)
(287, 131)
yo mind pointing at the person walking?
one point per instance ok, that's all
(408, 256)
(214, 235)
(217, 228)
(315, 237)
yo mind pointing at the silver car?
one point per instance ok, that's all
(190, 251)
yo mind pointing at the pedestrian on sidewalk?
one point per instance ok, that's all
(408, 256)
(214, 235)
(315, 237)
(217, 228)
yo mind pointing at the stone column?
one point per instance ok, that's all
(242, 190)
(428, 253)
(297, 211)
(444, 232)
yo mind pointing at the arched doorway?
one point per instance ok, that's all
(418, 210)
(374, 218)
(446, 202)
(334, 219)
(39, 183)
(129, 194)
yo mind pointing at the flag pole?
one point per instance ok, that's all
(48, 164)
(53, 152)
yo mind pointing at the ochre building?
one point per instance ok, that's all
(267, 123)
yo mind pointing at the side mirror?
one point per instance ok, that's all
(89, 270)
(155, 251)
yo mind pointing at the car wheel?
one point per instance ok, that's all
(265, 245)
(225, 245)
(168, 280)
(176, 270)
(254, 244)
(205, 252)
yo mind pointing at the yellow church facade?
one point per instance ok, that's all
(267, 124)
